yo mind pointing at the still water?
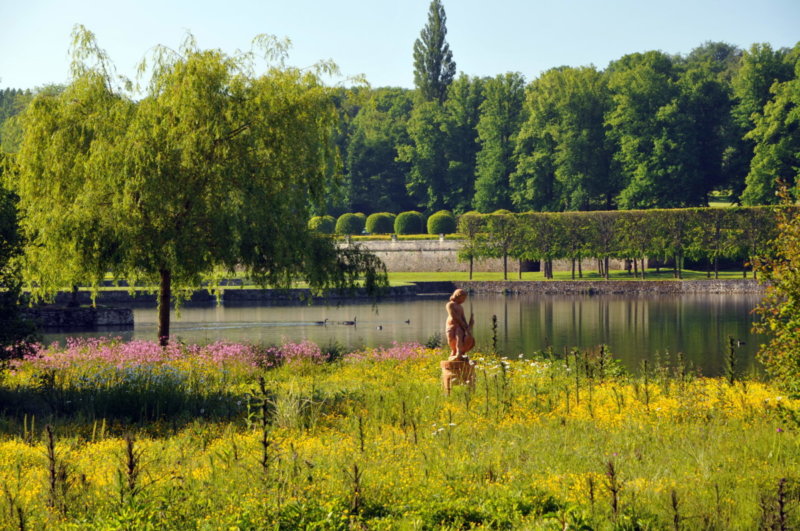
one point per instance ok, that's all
(635, 327)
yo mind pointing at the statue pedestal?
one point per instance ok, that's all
(458, 372)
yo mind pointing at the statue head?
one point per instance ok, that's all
(459, 296)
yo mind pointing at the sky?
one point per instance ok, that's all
(374, 38)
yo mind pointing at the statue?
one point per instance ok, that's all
(459, 331)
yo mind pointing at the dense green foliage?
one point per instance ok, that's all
(442, 222)
(780, 309)
(214, 170)
(410, 222)
(350, 223)
(649, 131)
(16, 332)
(380, 223)
(324, 224)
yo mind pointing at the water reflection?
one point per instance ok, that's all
(634, 327)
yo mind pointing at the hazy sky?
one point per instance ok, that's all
(375, 37)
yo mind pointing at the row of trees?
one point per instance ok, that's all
(674, 235)
(649, 131)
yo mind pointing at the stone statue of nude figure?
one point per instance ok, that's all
(459, 331)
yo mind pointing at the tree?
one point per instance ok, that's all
(761, 67)
(16, 332)
(375, 179)
(426, 155)
(462, 113)
(563, 157)
(776, 137)
(780, 308)
(500, 122)
(503, 235)
(470, 225)
(214, 169)
(657, 141)
(434, 68)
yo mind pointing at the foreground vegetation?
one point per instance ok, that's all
(103, 434)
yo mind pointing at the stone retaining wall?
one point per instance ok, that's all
(442, 255)
(55, 317)
(603, 287)
(228, 296)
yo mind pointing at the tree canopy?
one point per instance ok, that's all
(214, 169)
(434, 67)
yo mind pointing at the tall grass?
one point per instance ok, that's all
(370, 440)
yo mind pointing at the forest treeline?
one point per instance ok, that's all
(651, 130)
(660, 236)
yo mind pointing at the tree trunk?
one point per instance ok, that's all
(605, 266)
(520, 268)
(164, 297)
(505, 267)
(573, 269)
(643, 268)
(470, 267)
(635, 268)
(580, 267)
(73, 299)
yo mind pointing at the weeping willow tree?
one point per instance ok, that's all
(214, 169)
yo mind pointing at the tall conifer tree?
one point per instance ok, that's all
(434, 68)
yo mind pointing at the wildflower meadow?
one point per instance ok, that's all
(104, 434)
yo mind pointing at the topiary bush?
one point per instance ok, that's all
(411, 222)
(442, 222)
(323, 224)
(380, 223)
(349, 224)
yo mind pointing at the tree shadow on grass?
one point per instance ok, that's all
(161, 410)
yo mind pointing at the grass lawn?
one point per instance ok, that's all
(399, 279)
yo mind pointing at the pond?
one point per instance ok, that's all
(634, 327)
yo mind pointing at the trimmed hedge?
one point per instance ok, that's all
(442, 222)
(411, 222)
(350, 224)
(323, 224)
(380, 223)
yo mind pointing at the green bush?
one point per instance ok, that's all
(350, 224)
(380, 223)
(323, 224)
(411, 222)
(443, 222)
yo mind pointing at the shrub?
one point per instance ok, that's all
(349, 224)
(323, 224)
(443, 222)
(411, 222)
(380, 223)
